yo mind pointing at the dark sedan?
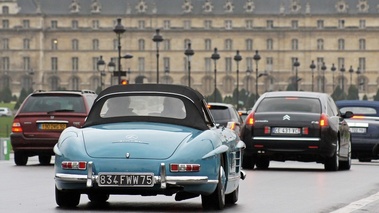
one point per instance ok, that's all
(364, 127)
(226, 115)
(299, 126)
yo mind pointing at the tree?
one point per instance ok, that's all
(291, 87)
(376, 97)
(23, 94)
(211, 98)
(6, 95)
(365, 98)
(338, 94)
(353, 93)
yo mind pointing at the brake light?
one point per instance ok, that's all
(16, 126)
(250, 119)
(305, 130)
(324, 120)
(74, 165)
(175, 167)
(267, 130)
(358, 117)
(231, 125)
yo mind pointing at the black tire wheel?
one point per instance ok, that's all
(232, 198)
(216, 200)
(98, 198)
(366, 160)
(20, 159)
(263, 163)
(248, 162)
(66, 199)
(44, 159)
(332, 163)
(346, 165)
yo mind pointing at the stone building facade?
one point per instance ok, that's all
(52, 44)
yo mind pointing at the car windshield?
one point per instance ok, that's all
(158, 106)
(360, 110)
(54, 103)
(220, 113)
(289, 104)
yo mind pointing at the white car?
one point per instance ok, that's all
(5, 111)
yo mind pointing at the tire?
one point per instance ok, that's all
(248, 163)
(232, 198)
(263, 163)
(44, 159)
(216, 200)
(346, 165)
(20, 159)
(366, 160)
(98, 198)
(332, 163)
(66, 199)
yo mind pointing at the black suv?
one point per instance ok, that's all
(42, 117)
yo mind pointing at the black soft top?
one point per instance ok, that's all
(198, 115)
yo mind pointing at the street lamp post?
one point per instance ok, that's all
(256, 58)
(248, 73)
(333, 69)
(119, 29)
(323, 68)
(358, 80)
(343, 77)
(296, 64)
(215, 56)
(157, 39)
(351, 71)
(237, 58)
(189, 53)
(111, 68)
(312, 66)
(101, 68)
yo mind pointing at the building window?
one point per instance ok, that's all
(341, 24)
(295, 24)
(228, 44)
(295, 44)
(54, 44)
(187, 24)
(249, 63)
(208, 24)
(95, 44)
(362, 64)
(26, 62)
(75, 63)
(75, 44)
(269, 24)
(54, 63)
(94, 62)
(362, 24)
(75, 83)
(115, 44)
(141, 44)
(5, 63)
(95, 24)
(166, 44)
(320, 24)
(54, 24)
(208, 44)
(341, 61)
(186, 42)
(74, 24)
(5, 45)
(208, 65)
(362, 44)
(341, 44)
(228, 64)
(5, 24)
(5, 10)
(141, 24)
(166, 24)
(320, 44)
(319, 62)
(249, 44)
(269, 64)
(269, 44)
(228, 24)
(141, 65)
(166, 63)
(249, 24)
(25, 24)
(26, 44)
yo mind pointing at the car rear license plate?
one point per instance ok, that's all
(126, 179)
(358, 130)
(53, 126)
(285, 131)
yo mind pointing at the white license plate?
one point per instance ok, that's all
(286, 131)
(126, 179)
(358, 130)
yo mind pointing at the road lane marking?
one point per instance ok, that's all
(358, 204)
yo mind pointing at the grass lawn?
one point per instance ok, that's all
(6, 122)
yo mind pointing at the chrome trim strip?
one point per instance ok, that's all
(286, 139)
(89, 174)
(51, 121)
(357, 124)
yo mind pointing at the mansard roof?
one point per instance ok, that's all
(199, 7)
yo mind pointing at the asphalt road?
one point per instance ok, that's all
(286, 187)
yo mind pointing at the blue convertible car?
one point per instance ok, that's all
(149, 139)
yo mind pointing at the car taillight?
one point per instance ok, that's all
(267, 130)
(324, 120)
(231, 125)
(358, 117)
(16, 126)
(175, 167)
(250, 119)
(74, 165)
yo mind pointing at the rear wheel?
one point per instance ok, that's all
(232, 198)
(332, 163)
(66, 199)
(44, 159)
(263, 163)
(20, 159)
(216, 200)
(248, 162)
(98, 198)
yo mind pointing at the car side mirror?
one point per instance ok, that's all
(348, 114)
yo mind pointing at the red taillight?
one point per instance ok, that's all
(324, 120)
(16, 126)
(75, 165)
(250, 119)
(174, 167)
(267, 130)
(305, 130)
